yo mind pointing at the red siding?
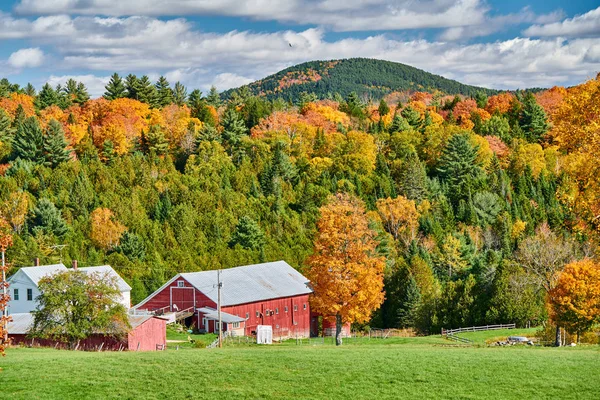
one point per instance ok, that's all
(184, 298)
(148, 335)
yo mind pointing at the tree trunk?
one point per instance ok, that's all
(558, 340)
(338, 330)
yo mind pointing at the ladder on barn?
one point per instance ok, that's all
(183, 314)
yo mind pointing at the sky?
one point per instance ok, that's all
(497, 44)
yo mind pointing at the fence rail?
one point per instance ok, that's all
(446, 332)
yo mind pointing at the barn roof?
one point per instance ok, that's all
(246, 284)
(37, 273)
(213, 314)
(251, 283)
(107, 269)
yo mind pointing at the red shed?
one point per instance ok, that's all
(148, 333)
(261, 294)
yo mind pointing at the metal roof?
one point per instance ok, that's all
(37, 273)
(250, 283)
(211, 313)
(20, 324)
(107, 269)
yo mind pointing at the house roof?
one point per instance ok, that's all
(37, 273)
(107, 269)
(251, 283)
(22, 322)
(213, 314)
(246, 284)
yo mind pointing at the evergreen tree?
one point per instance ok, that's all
(108, 154)
(383, 108)
(179, 94)
(458, 166)
(412, 116)
(28, 143)
(131, 86)
(132, 246)
(82, 94)
(233, 127)
(481, 99)
(20, 116)
(146, 92)
(115, 89)
(47, 97)
(29, 90)
(164, 93)
(47, 219)
(533, 119)
(195, 101)
(156, 141)
(412, 180)
(409, 306)
(213, 98)
(55, 145)
(399, 124)
(208, 133)
(247, 234)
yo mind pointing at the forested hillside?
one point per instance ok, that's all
(366, 77)
(154, 180)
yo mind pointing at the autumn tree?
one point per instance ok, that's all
(574, 302)
(544, 256)
(106, 230)
(345, 271)
(73, 305)
(5, 242)
(400, 218)
(15, 210)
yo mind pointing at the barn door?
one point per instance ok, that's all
(182, 298)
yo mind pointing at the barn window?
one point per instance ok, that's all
(295, 307)
(247, 315)
(29, 294)
(235, 325)
(180, 284)
(276, 310)
(257, 314)
(305, 306)
(285, 309)
(16, 294)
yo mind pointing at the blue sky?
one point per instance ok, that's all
(500, 44)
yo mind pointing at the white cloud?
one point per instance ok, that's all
(585, 25)
(349, 15)
(26, 58)
(94, 84)
(20, 28)
(228, 80)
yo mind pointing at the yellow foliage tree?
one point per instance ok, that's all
(15, 209)
(575, 300)
(5, 242)
(400, 218)
(106, 230)
(11, 103)
(346, 273)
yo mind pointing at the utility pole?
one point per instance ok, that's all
(4, 297)
(219, 285)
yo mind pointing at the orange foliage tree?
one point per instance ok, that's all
(10, 104)
(106, 230)
(400, 218)
(5, 243)
(575, 300)
(346, 273)
(551, 99)
(499, 103)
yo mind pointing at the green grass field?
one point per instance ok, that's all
(395, 368)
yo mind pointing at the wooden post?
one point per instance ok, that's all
(219, 284)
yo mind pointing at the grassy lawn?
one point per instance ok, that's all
(422, 368)
(483, 337)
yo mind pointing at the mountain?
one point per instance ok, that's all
(365, 76)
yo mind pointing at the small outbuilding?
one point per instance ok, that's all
(148, 333)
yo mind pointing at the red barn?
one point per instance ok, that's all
(148, 333)
(262, 294)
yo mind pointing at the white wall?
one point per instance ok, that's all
(21, 282)
(126, 300)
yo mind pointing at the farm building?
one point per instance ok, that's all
(24, 285)
(271, 293)
(148, 333)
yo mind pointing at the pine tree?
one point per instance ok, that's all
(146, 92)
(47, 97)
(213, 98)
(195, 101)
(179, 94)
(109, 153)
(399, 124)
(82, 94)
(47, 219)
(458, 166)
(20, 116)
(248, 234)
(233, 127)
(407, 312)
(533, 119)
(29, 141)
(115, 89)
(383, 109)
(412, 116)
(131, 86)
(55, 145)
(29, 90)
(412, 181)
(164, 93)
(156, 141)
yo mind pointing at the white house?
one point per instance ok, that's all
(23, 285)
